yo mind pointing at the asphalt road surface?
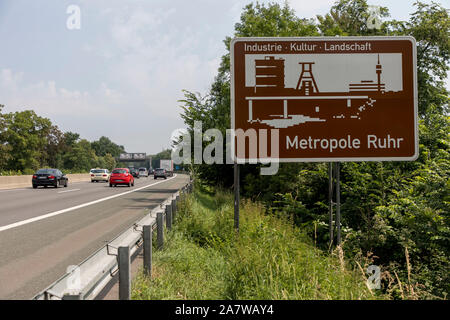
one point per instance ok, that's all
(43, 231)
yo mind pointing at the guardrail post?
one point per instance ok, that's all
(160, 229)
(169, 216)
(124, 273)
(174, 209)
(148, 250)
(178, 198)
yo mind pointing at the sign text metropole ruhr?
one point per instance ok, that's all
(332, 99)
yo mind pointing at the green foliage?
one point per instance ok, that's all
(388, 208)
(109, 162)
(5, 148)
(81, 156)
(204, 258)
(70, 138)
(214, 109)
(29, 142)
(349, 18)
(55, 143)
(430, 26)
(104, 146)
(26, 134)
(258, 20)
(164, 154)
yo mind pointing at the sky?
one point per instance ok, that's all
(121, 74)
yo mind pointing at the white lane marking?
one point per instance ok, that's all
(22, 189)
(52, 214)
(69, 190)
(9, 190)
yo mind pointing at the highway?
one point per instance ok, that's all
(43, 231)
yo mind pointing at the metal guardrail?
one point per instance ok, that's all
(89, 278)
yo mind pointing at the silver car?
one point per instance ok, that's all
(100, 175)
(143, 172)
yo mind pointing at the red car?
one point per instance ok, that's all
(121, 176)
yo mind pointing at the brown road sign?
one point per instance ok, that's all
(328, 98)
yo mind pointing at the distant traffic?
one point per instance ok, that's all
(118, 176)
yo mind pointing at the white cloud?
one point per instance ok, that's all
(48, 99)
(155, 61)
(309, 9)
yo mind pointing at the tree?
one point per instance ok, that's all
(430, 26)
(70, 138)
(258, 20)
(109, 162)
(55, 147)
(350, 18)
(81, 157)
(214, 108)
(104, 145)
(26, 134)
(5, 148)
(28, 142)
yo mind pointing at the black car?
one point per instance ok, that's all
(49, 177)
(160, 173)
(134, 172)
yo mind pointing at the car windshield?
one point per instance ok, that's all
(46, 171)
(142, 169)
(98, 171)
(119, 171)
(160, 170)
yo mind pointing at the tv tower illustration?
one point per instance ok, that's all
(378, 71)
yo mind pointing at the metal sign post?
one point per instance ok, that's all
(338, 202)
(330, 201)
(236, 196)
(334, 185)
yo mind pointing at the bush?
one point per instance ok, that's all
(270, 258)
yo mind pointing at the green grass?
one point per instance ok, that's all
(204, 258)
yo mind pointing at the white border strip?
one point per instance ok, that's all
(350, 38)
(52, 214)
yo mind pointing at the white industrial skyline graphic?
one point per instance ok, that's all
(318, 88)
